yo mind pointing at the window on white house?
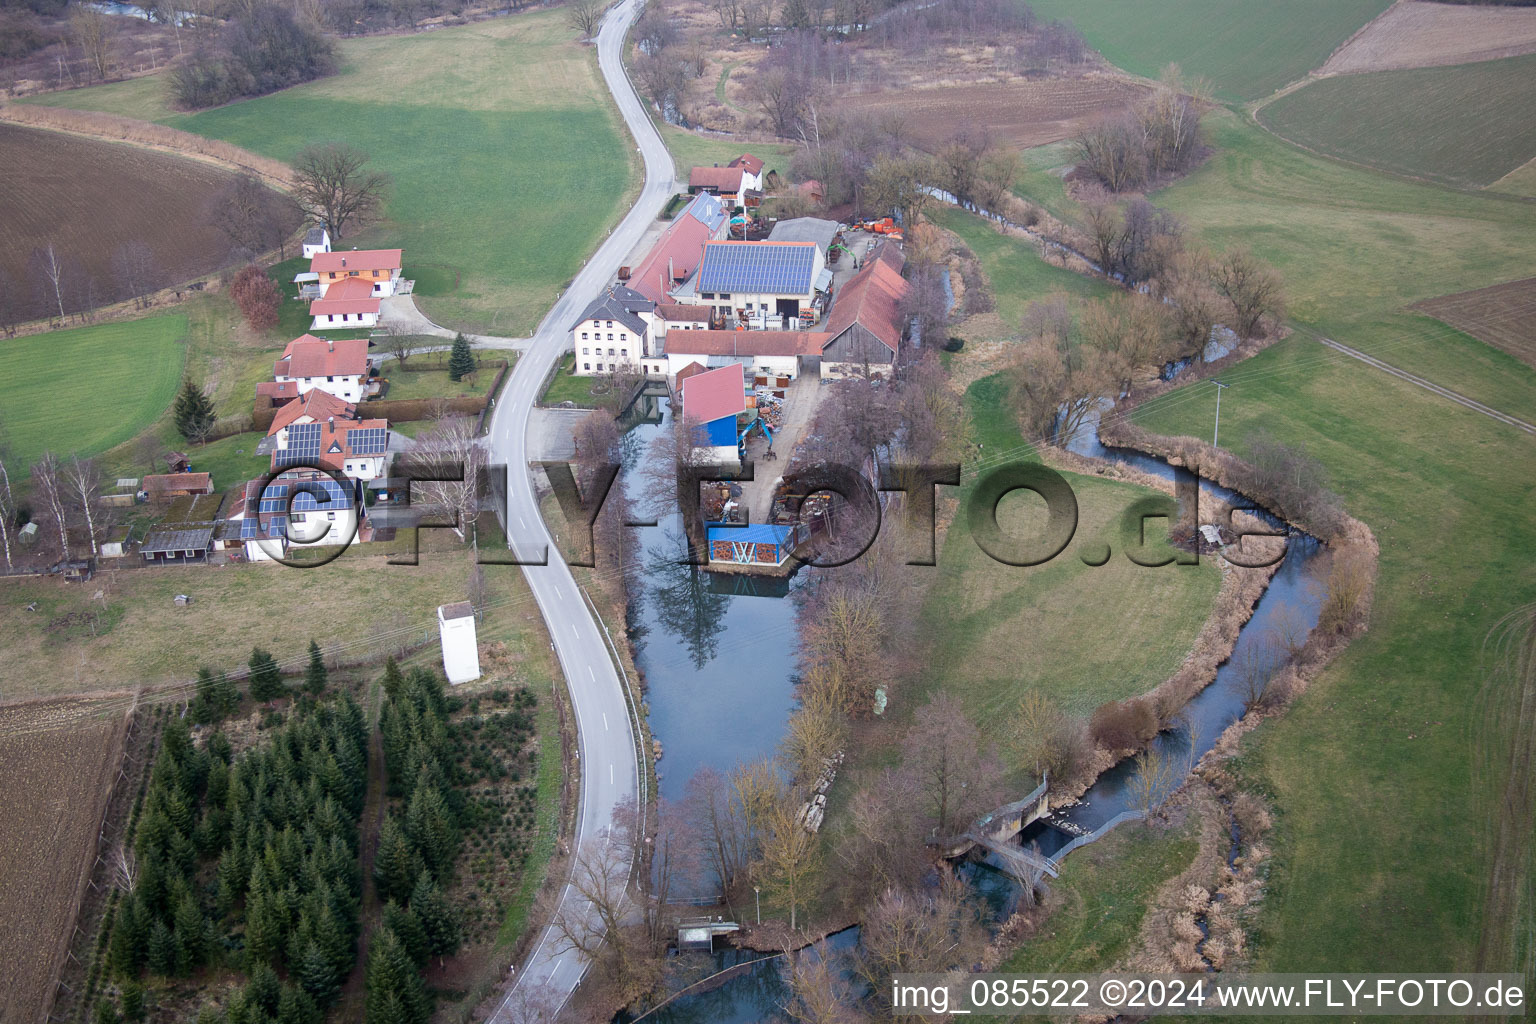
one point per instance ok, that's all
(585, 351)
(586, 366)
(623, 351)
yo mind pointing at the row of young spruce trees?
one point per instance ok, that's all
(251, 862)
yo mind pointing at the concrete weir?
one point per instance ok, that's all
(996, 831)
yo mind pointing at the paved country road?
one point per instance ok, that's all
(606, 744)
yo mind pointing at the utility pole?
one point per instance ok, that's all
(759, 894)
(1220, 387)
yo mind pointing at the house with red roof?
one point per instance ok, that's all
(349, 303)
(339, 367)
(319, 429)
(378, 268)
(738, 184)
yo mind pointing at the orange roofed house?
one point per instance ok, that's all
(338, 367)
(320, 429)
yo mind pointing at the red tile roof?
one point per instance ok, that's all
(692, 369)
(718, 179)
(871, 299)
(310, 356)
(746, 343)
(356, 259)
(748, 162)
(328, 306)
(315, 405)
(714, 394)
(681, 312)
(279, 391)
(678, 250)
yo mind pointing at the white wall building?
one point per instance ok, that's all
(339, 368)
(461, 652)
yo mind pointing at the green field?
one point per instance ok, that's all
(1013, 267)
(1356, 246)
(1247, 50)
(85, 390)
(508, 160)
(1466, 126)
(1094, 634)
(1369, 767)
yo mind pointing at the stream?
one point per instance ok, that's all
(718, 655)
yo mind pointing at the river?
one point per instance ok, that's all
(719, 658)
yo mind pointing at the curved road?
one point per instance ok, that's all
(606, 741)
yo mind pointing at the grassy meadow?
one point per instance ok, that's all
(690, 150)
(87, 389)
(1357, 246)
(1014, 269)
(1466, 126)
(1247, 50)
(1093, 634)
(509, 162)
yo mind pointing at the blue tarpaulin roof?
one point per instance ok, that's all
(756, 533)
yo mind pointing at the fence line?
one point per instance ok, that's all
(1095, 835)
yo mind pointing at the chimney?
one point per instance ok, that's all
(330, 345)
(343, 261)
(330, 421)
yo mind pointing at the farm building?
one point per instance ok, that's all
(461, 653)
(675, 256)
(739, 184)
(712, 401)
(179, 542)
(322, 430)
(377, 268)
(757, 546)
(339, 368)
(761, 353)
(865, 326)
(117, 541)
(761, 284)
(817, 230)
(346, 304)
(165, 486)
(316, 241)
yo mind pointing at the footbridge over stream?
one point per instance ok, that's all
(997, 831)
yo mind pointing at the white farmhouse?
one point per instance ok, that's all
(339, 368)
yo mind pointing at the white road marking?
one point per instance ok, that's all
(574, 632)
(605, 721)
(610, 773)
(590, 674)
(524, 522)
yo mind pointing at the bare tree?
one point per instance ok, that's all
(7, 507)
(905, 932)
(94, 32)
(1151, 782)
(956, 776)
(82, 481)
(133, 267)
(1055, 382)
(603, 924)
(48, 484)
(1251, 286)
(252, 217)
(399, 341)
(1255, 664)
(820, 994)
(50, 275)
(791, 860)
(449, 448)
(816, 732)
(333, 183)
(586, 16)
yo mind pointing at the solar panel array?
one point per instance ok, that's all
(368, 440)
(303, 445)
(754, 269)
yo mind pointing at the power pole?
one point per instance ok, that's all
(1220, 387)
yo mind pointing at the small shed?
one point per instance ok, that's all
(461, 652)
(27, 534)
(184, 543)
(116, 543)
(176, 485)
(759, 545)
(316, 240)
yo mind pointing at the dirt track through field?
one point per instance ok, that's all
(1418, 34)
(57, 783)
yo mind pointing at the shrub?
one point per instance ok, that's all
(257, 297)
(1124, 724)
(954, 344)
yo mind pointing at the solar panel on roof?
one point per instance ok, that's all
(368, 440)
(757, 269)
(303, 445)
